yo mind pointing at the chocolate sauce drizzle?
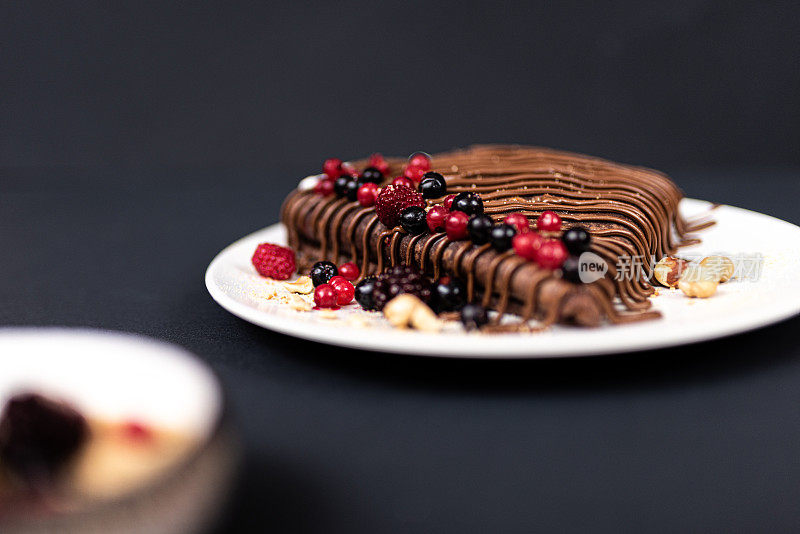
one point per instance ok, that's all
(628, 210)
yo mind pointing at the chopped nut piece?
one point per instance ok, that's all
(302, 285)
(299, 304)
(423, 318)
(669, 270)
(721, 265)
(698, 288)
(398, 310)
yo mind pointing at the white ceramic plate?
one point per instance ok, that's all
(738, 306)
(113, 376)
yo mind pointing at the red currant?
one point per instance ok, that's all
(548, 221)
(325, 296)
(456, 225)
(344, 290)
(332, 167)
(420, 160)
(435, 217)
(367, 194)
(526, 245)
(448, 201)
(349, 170)
(518, 221)
(402, 180)
(551, 254)
(349, 271)
(324, 187)
(414, 173)
(379, 162)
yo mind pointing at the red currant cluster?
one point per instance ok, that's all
(333, 287)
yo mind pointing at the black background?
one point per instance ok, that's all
(136, 142)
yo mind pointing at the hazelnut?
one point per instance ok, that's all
(302, 285)
(698, 288)
(669, 270)
(398, 310)
(423, 318)
(722, 266)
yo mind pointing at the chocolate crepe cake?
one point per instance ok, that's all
(628, 211)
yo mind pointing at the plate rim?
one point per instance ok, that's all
(332, 336)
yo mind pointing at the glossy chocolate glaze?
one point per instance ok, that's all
(628, 211)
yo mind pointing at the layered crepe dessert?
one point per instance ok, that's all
(629, 212)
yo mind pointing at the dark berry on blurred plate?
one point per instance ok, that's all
(364, 293)
(448, 294)
(322, 272)
(474, 316)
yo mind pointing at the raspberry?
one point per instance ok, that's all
(392, 200)
(274, 261)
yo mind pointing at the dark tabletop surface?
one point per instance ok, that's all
(700, 438)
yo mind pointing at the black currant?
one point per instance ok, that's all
(322, 272)
(501, 236)
(414, 220)
(448, 295)
(365, 293)
(474, 316)
(480, 228)
(570, 270)
(432, 187)
(351, 190)
(577, 240)
(469, 203)
(341, 185)
(370, 174)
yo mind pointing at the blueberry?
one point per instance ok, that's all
(351, 190)
(341, 185)
(432, 186)
(570, 270)
(577, 240)
(469, 203)
(413, 220)
(474, 316)
(480, 228)
(322, 272)
(370, 174)
(501, 236)
(365, 293)
(448, 294)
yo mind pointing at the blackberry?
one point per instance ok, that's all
(397, 280)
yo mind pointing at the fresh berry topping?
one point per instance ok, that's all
(519, 222)
(474, 316)
(480, 228)
(432, 187)
(414, 220)
(577, 240)
(367, 194)
(324, 187)
(38, 436)
(364, 293)
(552, 254)
(432, 174)
(548, 221)
(322, 272)
(392, 200)
(349, 271)
(370, 174)
(448, 294)
(340, 185)
(402, 180)
(349, 170)
(379, 162)
(501, 236)
(325, 296)
(274, 261)
(400, 279)
(456, 225)
(414, 173)
(527, 245)
(570, 270)
(469, 203)
(344, 290)
(448, 202)
(436, 216)
(420, 160)
(332, 167)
